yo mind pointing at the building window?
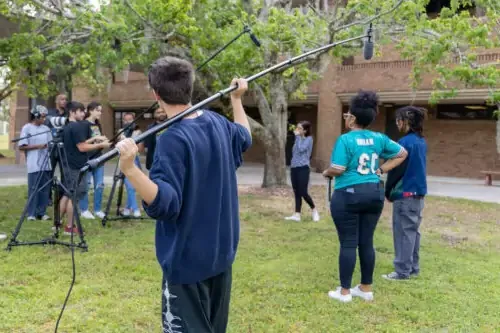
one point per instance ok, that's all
(348, 61)
(464, 112)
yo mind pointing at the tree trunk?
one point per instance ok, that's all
(498, 129)
(276, 122)
(275, 162)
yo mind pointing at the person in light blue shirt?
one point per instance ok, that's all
(358, 198)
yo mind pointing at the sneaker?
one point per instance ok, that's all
(68, 230)
(137, 213)
(339, 297)
(126, 212)
(100, 214)
(315, 215)
(357, 292)
(3, 237)
(87, 215)
(295, 217)
(45, 218)
(31, 218)
(394, 276)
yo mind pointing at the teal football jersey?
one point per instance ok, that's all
(358, 153)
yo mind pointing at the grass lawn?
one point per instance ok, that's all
(281, 277)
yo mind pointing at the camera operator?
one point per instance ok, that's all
(36, 137)
(78, 141)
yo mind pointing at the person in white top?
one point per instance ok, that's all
(35, 139)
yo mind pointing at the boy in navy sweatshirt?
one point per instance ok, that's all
(406, 187)
(192, 193)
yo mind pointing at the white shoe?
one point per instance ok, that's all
(137, 213)
(87, 215)
(45, 217)
(100, 214)
(294, 217)
(126, 212)
(356, 292)
(339, 297)
(31, 218)
(315, 215)
(3, 237)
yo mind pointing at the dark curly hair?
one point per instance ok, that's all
(414, 116)
(364, 107)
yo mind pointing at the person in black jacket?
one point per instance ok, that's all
(150, 141)
(406, 187)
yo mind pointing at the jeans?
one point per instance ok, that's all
(406, 220)
(300, 183)
(131, 200)
(98, 175)
(38, 204)
(355, 211)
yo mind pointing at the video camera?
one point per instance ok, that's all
(55, 121)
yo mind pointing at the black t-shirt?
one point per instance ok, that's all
(95, 130)
(74, 133)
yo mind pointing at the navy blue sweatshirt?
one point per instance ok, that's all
(409, 178)
(196, 208)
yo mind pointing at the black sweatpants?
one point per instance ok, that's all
(201, 307)
(300, 184)
(355, 211)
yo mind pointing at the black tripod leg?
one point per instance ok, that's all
(13, 239)
(111, 195)
(120, 194)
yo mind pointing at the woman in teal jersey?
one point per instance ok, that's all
(358, 198)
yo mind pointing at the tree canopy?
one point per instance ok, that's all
(70, 39)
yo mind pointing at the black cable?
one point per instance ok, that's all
(72, 244)
(72, 283)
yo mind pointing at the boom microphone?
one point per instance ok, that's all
(368, 44)
(254, 39)
(94, 163)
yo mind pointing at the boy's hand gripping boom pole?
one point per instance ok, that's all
(94, 163)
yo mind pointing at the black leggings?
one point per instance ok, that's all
(355, 211)
(300, 183)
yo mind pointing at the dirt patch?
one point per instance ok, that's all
(455, 222)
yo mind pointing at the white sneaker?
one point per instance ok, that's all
(31, 218)
(315, 215)
(45, 217)
(137, 213)
(87, 215)
(3, 237)
(339, 297)
(126, 212)
(294, 217)
(100, 214)
(356, 292)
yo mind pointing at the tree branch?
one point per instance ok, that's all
(258, 130)
(61, 12)
(262, 103)
(370, 19)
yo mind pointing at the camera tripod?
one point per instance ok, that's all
(56, 146)
(118, 178)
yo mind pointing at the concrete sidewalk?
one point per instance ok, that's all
(251, 174)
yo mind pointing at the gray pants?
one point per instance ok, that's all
(406, 220)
